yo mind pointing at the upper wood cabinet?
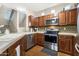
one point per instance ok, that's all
(68, 17)
(73, 16)
(33, 20)
(39, 21)
(62, 18)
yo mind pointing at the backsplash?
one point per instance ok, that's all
(65, 28)
(69, 29)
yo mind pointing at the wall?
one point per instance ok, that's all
(57, 8)
(2, 19)
(66, 28)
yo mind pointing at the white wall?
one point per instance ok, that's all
(57, 8)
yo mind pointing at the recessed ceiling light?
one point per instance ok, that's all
(42, 14)
(52, 11)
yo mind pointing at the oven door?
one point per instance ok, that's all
(50, 38)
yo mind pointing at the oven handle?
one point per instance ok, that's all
(51, 35)
(76, 47)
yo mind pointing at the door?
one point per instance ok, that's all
(66, 44)
(62, 18)
(73, 16)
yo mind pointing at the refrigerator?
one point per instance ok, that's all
(77, 38)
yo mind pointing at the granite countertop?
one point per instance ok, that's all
(68, 33)
(9, 39)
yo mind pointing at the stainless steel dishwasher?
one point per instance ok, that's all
(30, 41)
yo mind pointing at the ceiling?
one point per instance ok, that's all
(30, 6)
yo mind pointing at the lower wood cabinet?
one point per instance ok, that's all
(23, 45)
(12, 49)
(65, 44)
(39, 39)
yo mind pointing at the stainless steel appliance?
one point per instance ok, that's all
(51, 37)
(30, 41)
(52, 21)
(77, 40)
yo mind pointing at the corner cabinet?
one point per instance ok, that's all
(33, 21)
(65, 44)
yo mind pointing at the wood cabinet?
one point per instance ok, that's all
(73, 17)
(65, 44)
(39, 39)
(23, 45)
(33, 20)
(62, 18)
(5, 53)
(39, 21)
(68, 17)
(12, 49)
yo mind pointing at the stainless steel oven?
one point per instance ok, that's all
(51, 37)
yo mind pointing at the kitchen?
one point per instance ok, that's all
(47, 30)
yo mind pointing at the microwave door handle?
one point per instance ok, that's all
(76, 47)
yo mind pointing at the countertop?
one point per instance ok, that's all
(68, 33)
(9, 39)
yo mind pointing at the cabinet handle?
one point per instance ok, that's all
(76, 47)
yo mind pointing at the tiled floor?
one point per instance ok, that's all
(36, 51)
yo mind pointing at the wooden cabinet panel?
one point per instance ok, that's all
(12, 49)
(68, 17)
(73, 16)
(39, 39)
(33, 20)
(62, 18)
(65, 44)
(5, 53)
(41, 21)
(23, 45)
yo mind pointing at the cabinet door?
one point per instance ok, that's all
(61, 45)
(41, 21)
(73, 16)
(23, 45)
(62, 18)
(12, 49)
(5, 53)
(39, 39)
(66, 44)
(36, 21)
(33, 20)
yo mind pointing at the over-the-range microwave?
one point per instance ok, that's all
(52, 21)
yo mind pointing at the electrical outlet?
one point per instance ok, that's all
(64, 28)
